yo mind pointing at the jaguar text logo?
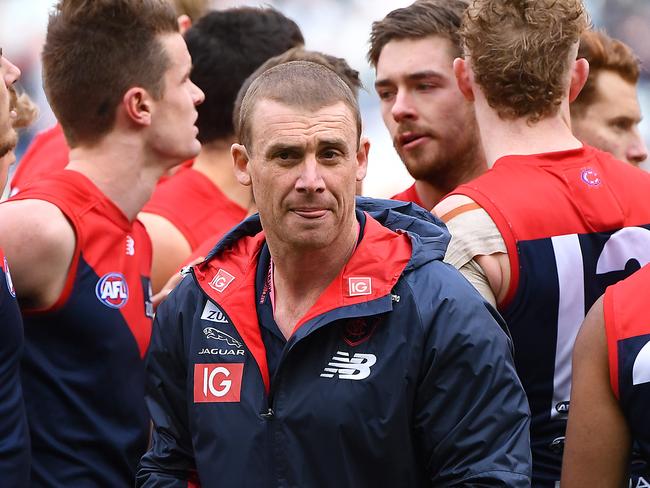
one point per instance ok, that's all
(112, 290)
(217, 382)
(359, 286)
(221, 280)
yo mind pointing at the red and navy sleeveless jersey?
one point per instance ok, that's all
(409, 195)
(574, 222)
(47, 153)
(83, 371)
(195, 206)
(14, 435)
(627, 323)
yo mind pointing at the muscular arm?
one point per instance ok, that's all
(39, 243)
(597, 440)
(476, 249)
(170, 248)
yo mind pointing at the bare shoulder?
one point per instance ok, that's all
(39, 243)
(591, 343)
(33, 219)
(451, 203)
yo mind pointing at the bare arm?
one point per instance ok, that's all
(170, 249)
(39, 243)
(494, 266)
(598, 440)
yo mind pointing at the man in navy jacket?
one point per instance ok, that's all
(324, 342)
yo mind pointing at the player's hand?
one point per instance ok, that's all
(176, 278)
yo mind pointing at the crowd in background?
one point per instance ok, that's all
(207, 258)
(338, 27)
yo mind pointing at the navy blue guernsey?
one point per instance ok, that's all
(83, 373)
(573, 224)
(14, 436)
(627, 324)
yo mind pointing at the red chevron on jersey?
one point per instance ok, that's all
(627, 324)
(574, 222)
(83, 356)
(627, 315)
(544, 195)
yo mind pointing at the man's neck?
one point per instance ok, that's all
(300, 277)
(430, 193)
(122, 169)
(215, 162)
(518, 137)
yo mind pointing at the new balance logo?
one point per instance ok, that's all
(345, 367)
(130, 246)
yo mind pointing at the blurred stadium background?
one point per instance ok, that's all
(338, 27)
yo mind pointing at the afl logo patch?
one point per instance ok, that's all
(10, 284)
(590, 177)
(112, 290)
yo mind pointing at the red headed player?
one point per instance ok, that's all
(553, 222)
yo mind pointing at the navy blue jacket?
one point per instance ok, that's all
(399, 375)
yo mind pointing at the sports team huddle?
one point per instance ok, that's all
(194, 292)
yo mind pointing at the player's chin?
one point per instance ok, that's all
(193, 150)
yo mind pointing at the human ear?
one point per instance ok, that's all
(579, 75)
(362, 158)
(461, 71)
(240, 161)
(137, 105)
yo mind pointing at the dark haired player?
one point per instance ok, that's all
(80, 260)
(205, 200)
(566, 216)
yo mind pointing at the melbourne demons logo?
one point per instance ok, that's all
(112, 290)
(590, 177)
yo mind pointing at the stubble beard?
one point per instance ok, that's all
(8, 142)
(443, 168)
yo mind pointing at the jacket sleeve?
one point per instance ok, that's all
(169, 462)
(471, 413)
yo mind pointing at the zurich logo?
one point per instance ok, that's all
(112, 290)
